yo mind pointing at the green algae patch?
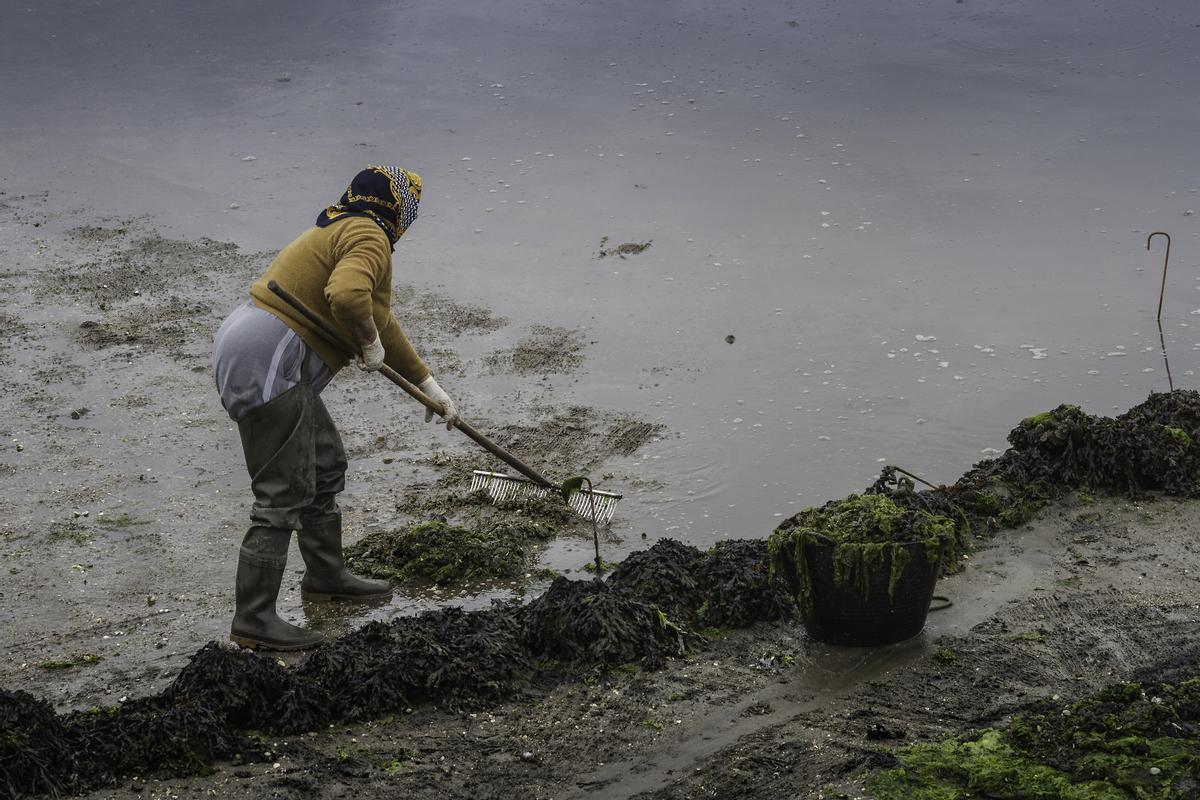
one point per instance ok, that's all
(1127, 741)
(484, 541)
(441, 553)
(987, 767)
(604, 566)
(1049, 418)
(946, 657)
(1178, 434)
(56, 664)
(870, 534)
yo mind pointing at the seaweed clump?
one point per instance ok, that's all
(441, 553)
(485, 543)
(147, 735)
(250, 692)
(1128, 740)
(738, 588)
(452, 657)
(449, 657)
(33, 748)
(664, 575)
(1147, 449)
(43, 753)
(1133, 453)
(729, 586)
(591, 622)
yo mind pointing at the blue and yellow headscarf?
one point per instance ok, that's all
(387, 195)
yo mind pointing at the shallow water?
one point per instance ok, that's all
(919, 225)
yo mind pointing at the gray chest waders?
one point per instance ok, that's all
(280, 456)
(297, 467)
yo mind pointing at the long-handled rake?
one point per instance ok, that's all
(592, 504)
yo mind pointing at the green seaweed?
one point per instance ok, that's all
(983, 768)
(1179, 435)
(946, 657)
(857, 519)
(855, 564)
(716, 632)
(1127, 741)
(471, 539)
(1049, 418)
(1021, 511)
(54, 664)
(870, 534)
(444, 554)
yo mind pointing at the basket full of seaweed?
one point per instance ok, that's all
(862, 569)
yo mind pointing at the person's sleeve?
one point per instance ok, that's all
(399, 353)
(362, 259)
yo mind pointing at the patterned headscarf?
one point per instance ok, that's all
(387, 195)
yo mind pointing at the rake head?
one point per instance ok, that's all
(501, 487)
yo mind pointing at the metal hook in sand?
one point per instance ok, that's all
(1162, 341)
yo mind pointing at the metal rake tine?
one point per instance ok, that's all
(606, 506)
(502, 488)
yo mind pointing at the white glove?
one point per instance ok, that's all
(372, 356)
(438, 395)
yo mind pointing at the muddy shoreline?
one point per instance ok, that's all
(1091, 593)
(122, 538)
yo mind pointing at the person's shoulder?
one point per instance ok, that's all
(358, 228)
(360, 237)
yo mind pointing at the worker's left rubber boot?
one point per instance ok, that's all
(325, 574)
(256, 624)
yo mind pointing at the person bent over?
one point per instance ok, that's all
(270, 367)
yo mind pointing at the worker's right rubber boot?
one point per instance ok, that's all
(325, 574)
(261, 563)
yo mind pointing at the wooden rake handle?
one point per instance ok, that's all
(333, 336)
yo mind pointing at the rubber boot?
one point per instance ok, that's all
(261, 564)
(325, 574)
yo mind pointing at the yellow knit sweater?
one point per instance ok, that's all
(344, 273)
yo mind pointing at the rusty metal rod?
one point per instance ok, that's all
(1162, 291)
